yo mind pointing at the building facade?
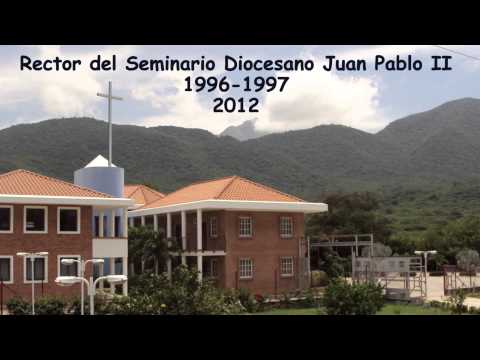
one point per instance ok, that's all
(43, 214)
(239, 233)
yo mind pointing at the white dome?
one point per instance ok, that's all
(99, 161)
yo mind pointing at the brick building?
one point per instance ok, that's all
(240, 233)
(43, 214)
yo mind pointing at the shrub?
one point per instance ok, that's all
(456, 302)
(50, 306)
(18, 306)
(319, 278)
(232, 304)
(435, 304)
(247, 300)
(74, 308)
(286, 300)
(309, 299)
(125, 305)
(341, 298)
(183, 295)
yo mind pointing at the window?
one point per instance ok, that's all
(68, 220)
(214, 268)
(286, 227)
(6, 219)
(97, 226)
(6, 269)
(39, 269)
(117, 226)
(245, 269)
(286, 266)
(245, 228)
(213, 227)
(35, 219)
(68, 269)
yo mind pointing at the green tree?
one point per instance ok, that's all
(379, 250)
(468, 259)
(453, 237)
(353, 213)
(146, 245)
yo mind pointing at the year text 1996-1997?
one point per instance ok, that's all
(249, 84)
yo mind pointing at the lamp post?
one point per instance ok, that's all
(91, 285)
(82, 265)
(425, 254)
(32, 256)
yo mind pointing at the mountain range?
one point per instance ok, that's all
(438, 146)
(244, 131)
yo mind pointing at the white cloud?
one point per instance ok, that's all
(176, 107)
(309, 99)
(59, 93)
(319, 97)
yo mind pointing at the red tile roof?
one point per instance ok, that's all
(229, 188)
(142, 194)
(23, 182)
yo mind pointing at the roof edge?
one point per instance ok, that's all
(274, 206)
(65, 200)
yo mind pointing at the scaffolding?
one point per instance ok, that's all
(454, 280)
(402, 277)
(353, 241)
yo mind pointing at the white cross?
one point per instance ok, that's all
(110, 97)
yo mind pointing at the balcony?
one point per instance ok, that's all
(108, 247)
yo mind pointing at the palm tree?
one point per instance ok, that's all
(146, 245)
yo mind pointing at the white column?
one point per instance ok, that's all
(131, 221)
(169, 235)
(125, 272)
(199, 229)
(112, 272)
(142, 219)
(100, 224)
(200, 267)
(169, 225)
(169, 268)
(112, 223)
(199, 244)
(125, 222)
(184, 236)
(100, 273)
(155, 222)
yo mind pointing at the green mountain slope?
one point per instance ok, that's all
(421, 151)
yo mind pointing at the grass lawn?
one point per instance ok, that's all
(301, 311)
(389, 309)
(399, 309)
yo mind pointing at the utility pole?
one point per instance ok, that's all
(109, 97)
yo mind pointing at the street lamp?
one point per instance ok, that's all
(82, 265)
(91, 285)
(32, 256)
(425, 254)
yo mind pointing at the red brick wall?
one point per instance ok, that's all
(55, 244)
(265, 247)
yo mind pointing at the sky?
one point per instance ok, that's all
(365, 100)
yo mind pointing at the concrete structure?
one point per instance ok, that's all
(242, 234)
(39, 213)
(99, 176)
